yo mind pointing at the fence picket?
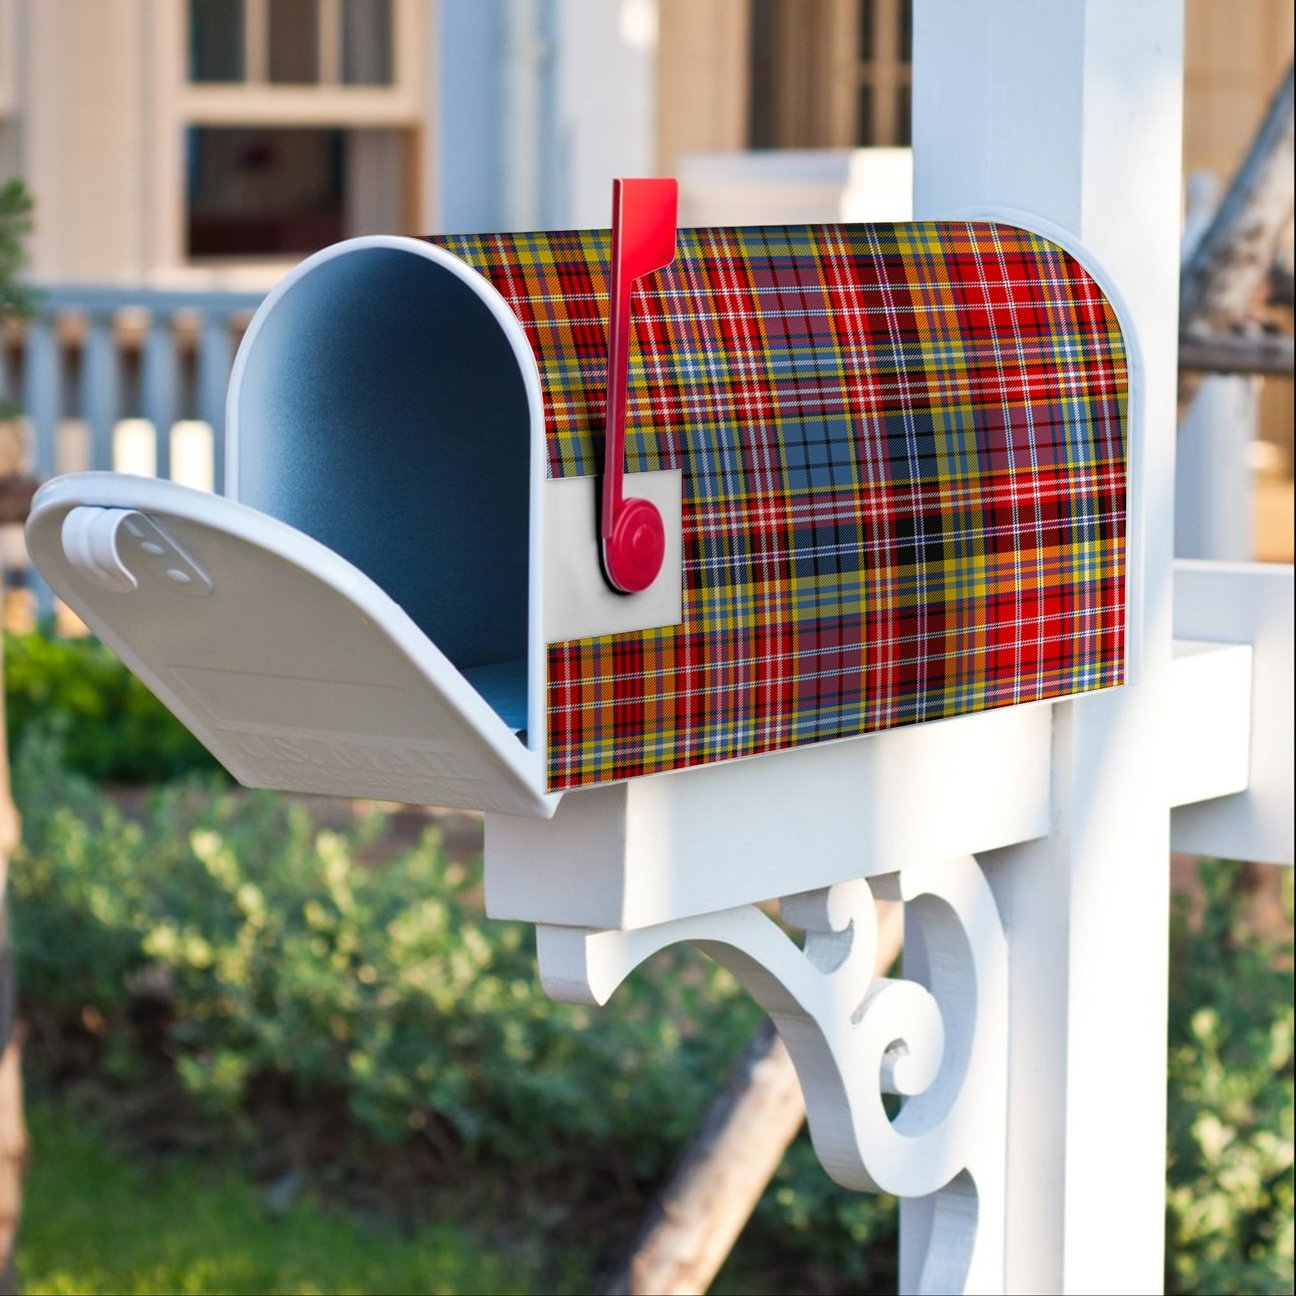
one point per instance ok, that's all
(160, 386)
(100, 394)
(109, 375)
(215, 348)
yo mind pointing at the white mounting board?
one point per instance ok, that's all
(700, 840)
(1244, 603)
(578, 601)
(1208, 743)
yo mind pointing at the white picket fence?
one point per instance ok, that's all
(131, 380)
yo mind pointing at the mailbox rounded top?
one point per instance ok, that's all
(385, 401)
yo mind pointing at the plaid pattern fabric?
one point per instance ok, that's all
(903, 451)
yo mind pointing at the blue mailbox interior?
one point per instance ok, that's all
(382, 411)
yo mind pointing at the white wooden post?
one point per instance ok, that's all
(1070, 113)
(1214, 515)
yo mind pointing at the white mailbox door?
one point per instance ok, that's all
(287, 662)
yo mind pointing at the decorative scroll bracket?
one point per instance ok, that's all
(938, 1037)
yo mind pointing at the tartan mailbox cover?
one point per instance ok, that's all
(891, 461)
(903, 451)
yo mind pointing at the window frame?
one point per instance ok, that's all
(181, 103)
(255, 100)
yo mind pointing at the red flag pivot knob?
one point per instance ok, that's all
(633, 553)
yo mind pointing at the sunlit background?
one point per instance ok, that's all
(182, 155)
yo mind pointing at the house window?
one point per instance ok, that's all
(216, 46)
(264, 192)
(830, 73)
(291, 42)
(367, 40)
(299, 123)
(293, 48)
(256, 192)
(884, 71)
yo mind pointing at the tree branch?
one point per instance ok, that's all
(1225, 275)
(701, 1210)
(1237, 353)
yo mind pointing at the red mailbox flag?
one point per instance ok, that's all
(643, 240)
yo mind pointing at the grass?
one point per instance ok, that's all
(96, 1221)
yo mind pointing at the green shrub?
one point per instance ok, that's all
(847, 1239)
(113, 728)
(1229, 1199)
(282, 954)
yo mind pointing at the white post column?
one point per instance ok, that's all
(1214, 513)
(1070, 113)
(604, 92)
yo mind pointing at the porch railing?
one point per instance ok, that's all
(125, 379)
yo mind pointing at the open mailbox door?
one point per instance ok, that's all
(364, 620)
(293, 667)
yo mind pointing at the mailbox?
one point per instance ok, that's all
(887, 465)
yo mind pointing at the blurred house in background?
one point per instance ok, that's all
(184, 153)
(212, 142)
